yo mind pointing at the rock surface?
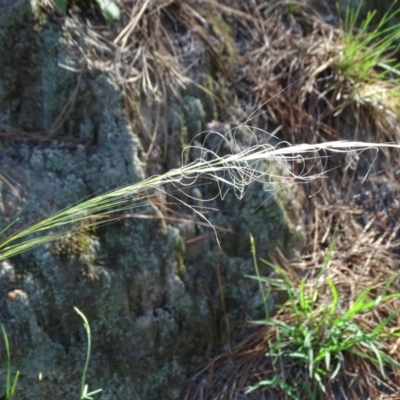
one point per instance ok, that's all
(151, 287)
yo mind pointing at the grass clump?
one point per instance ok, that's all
(318, 335)
(367, 46)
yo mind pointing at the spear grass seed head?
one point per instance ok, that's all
(234, 171)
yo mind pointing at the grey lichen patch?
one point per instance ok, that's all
(164, 373)
(37, 160)
(264, 218)
(176, 242)
(208, 91)
(194, 116)
(86, 130)
(187, 119)
(177, 137)
(41, 87)
(73, 189)
(56, 160)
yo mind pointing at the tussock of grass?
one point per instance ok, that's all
(367, 49)
(317, 329)
(333, 338)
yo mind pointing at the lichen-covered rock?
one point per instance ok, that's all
(150, 287)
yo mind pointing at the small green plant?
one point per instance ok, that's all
(292, 7)
(367, 49)
(85, 395)
(108, 8)
(10, 384)
(313, 333)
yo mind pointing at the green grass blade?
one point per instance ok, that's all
(10, 388)
(335, 296)
(359, 305)
(377, 330)
(302, 296)
(253, 252)
(14, 385)
(84, 387)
